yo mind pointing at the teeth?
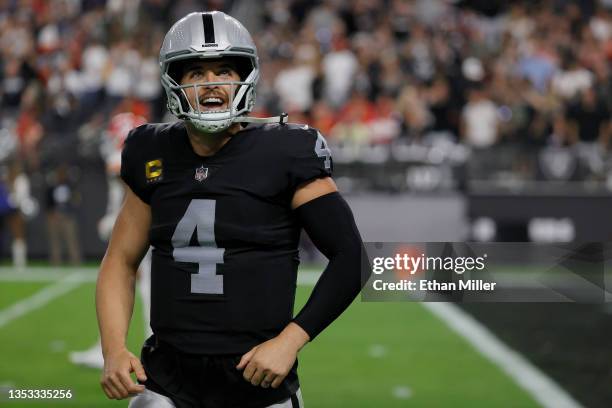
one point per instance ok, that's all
(213, 100)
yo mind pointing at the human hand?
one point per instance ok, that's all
(268, 363)
(116, 380)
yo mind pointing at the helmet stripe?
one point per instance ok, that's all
(209, 28)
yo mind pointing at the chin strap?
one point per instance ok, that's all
(282, 119)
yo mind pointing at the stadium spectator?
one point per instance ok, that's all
(479, 119)
(14, 82)
(339, 68)
(590, 119)
(438, 96)
(414, 111)
(29, 130)
(571, 79)
(295, 83)
(62, 203)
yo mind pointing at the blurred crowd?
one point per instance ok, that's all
(365, 72)
(530, 72)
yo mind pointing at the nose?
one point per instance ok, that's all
(210, 76)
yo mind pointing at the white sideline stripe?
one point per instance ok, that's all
(39, 299)
(542, 388)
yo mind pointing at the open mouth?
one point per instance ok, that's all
(212, 104)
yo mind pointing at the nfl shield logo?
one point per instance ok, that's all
(201, 173)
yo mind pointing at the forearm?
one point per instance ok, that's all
(117, 277)
(336, 289)
(330, 224)
(114, 302)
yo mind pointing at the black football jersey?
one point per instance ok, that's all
(224, 236)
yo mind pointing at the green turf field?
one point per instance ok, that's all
(376, 355)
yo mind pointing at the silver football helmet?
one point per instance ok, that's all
(211, 35)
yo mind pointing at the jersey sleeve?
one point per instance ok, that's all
(133, 165)
(310, 157)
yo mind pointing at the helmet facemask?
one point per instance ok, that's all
(241, 101)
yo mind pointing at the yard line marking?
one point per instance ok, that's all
(537, 384)
(45, 274)
(39, 299)
(48, 269)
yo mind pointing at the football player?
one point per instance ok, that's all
(222, 205)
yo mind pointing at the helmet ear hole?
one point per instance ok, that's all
(175, 71)
(243, 66)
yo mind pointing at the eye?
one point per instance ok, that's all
(195, 73)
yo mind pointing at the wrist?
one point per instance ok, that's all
(112, 348)
(295, 335)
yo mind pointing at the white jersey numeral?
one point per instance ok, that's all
(200, 217)
(322, 150)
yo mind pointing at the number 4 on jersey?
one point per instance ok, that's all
(200, 217)
(322, 150)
